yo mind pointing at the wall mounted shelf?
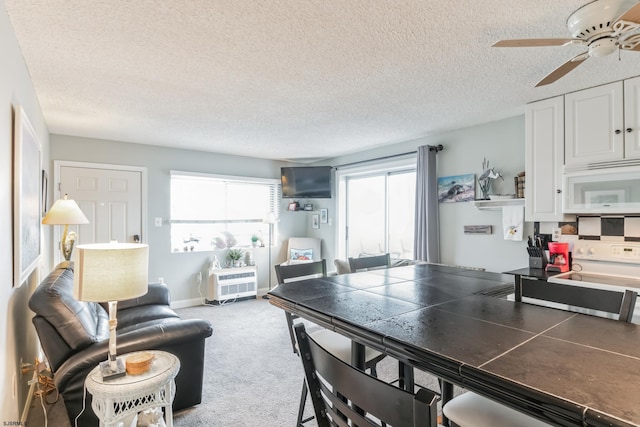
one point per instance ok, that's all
(497, 204)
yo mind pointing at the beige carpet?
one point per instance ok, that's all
(252, 377)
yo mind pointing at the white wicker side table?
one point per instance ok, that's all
(121, 398)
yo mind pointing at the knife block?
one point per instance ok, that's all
(537, 257)
(538, 262)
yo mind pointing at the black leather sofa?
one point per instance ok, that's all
(75, 336)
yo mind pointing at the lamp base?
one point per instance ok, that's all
(108, 373)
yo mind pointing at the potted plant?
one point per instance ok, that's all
(255, 240)
(233, 257)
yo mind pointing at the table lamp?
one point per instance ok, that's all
(111, 272)
(65, 212)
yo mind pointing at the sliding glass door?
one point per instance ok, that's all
(380, 213)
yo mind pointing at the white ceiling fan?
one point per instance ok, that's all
(604, 26)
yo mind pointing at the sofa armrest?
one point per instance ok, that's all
(153, 337)
(158, 294)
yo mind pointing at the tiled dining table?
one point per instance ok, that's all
(565, 368)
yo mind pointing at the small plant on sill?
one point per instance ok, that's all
(234, 256)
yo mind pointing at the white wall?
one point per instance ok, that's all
(179, 269)
(502, 143)
(17, 336)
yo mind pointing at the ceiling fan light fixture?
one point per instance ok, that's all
(597, 17)
(603, 47)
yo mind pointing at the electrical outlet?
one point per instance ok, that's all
(158, 222)
(557, 232)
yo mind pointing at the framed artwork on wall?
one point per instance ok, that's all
(458, 188)
(27, 198)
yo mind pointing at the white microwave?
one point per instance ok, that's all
(602, 191)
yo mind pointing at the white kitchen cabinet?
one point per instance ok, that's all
(544, 158)
(594, 125)
(632, 118)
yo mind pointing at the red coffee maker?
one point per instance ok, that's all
(559, 260)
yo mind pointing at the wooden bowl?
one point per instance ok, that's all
(139, 363)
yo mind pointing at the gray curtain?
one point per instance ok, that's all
(427, 236)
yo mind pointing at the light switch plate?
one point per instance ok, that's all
(158, 222)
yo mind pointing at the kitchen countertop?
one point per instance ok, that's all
(579, 369)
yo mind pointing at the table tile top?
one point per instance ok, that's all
(454, 336)
(585, 375)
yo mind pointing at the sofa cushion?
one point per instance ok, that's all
(136, 316)
(301, 254)
(79, 323)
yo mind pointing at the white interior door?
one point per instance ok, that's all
(110, 196)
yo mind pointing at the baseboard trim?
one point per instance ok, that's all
(184, 303)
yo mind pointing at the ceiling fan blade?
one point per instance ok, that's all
(631, 15)
(533, 42)
(563, 69)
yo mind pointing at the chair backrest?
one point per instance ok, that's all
(600, 302)
(347, 393)
(369, 262)
(292, 273)
(285, 273)
(303, 247)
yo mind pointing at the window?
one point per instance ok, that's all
(212, 212)
(377, 209)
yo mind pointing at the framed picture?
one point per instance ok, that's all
(457, 188)
(315, 221)
(324, 216)
(293, 206)
(45, 188)
(27, 199)
(308, 206)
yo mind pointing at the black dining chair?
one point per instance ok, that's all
(343, 395)
(338, 345)
(369, 262)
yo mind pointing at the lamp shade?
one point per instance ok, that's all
(64, 212)
(111, 271)
(269, 218)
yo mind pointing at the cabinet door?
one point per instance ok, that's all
(594, 125)
(632, 118)
(544, 142)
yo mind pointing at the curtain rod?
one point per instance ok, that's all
(435, 148)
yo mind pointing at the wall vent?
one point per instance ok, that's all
(232, 283)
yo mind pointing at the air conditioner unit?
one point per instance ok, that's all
(232, 283)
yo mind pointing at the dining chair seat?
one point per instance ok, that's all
(340, 347)
(473, 410)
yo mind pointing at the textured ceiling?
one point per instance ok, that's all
(292, 79)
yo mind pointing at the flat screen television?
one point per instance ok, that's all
(306, 182)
